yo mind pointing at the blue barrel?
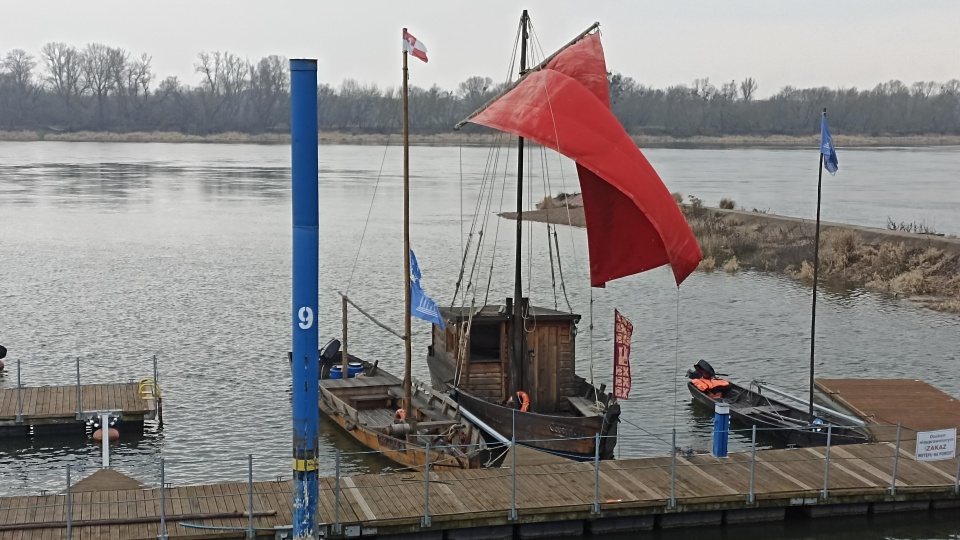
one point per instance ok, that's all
(721, 429)
(336, 372)
(354, 369)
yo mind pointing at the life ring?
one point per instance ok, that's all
(524, 400)
(399, 416)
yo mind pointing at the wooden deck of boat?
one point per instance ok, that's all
(58, 404)
(882, 403)
(860, 476)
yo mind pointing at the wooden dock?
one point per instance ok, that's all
(558, 498)
(67, 408)
(883, 403)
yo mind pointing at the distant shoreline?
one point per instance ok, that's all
(472, 139)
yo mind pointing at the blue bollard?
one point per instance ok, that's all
(721, 429)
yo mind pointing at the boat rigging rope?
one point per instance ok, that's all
(372, 199)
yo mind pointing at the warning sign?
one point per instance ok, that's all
(936, 445)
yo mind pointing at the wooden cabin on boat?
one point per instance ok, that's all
(548, 375)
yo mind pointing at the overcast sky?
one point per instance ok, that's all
(800, 43)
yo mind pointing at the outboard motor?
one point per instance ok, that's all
(704, 369)
(328, 354)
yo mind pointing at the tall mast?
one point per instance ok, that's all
(816, 271)
(406, 245)
(518, 353)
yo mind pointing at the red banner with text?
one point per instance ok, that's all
(623, 331)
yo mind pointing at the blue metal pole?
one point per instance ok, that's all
(721, 429)
(306, 246)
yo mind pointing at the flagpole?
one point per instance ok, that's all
(406, 246)
(816, 271)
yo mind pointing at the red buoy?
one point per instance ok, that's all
(113, 433)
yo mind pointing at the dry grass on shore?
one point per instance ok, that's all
(923, 268)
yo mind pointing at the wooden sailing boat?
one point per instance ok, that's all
(405, 420)
(491, 358)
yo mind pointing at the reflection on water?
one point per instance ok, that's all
(115, 252)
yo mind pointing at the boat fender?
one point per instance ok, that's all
(463, 442)
(399, 416)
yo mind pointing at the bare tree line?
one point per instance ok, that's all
(103, 88)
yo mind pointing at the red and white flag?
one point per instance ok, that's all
(414, 46)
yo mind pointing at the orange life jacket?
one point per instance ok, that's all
(712, 387)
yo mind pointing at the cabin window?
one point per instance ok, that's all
(485, 343)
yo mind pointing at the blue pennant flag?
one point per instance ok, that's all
(423, 307)
(414, 267)
(826, 147)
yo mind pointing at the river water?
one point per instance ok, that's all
(114, 253)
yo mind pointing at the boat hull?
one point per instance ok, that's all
(365, 407)
(776, 419)
(398, 450)
(568, 436)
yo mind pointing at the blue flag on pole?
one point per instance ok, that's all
(421, 305)
(414, 267)
(826, 147)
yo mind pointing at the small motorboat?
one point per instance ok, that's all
(773, 418)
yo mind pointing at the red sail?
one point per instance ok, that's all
(633, 223)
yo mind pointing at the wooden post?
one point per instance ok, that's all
(408, 353)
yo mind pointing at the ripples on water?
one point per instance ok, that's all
(115, 252)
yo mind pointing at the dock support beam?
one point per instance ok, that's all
(896, 461)
(306, 253)
(826, 466)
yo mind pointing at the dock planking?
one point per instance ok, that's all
(42, 405)
(883, 403)
(394, 503)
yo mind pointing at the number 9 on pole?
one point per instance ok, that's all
(306, 317)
